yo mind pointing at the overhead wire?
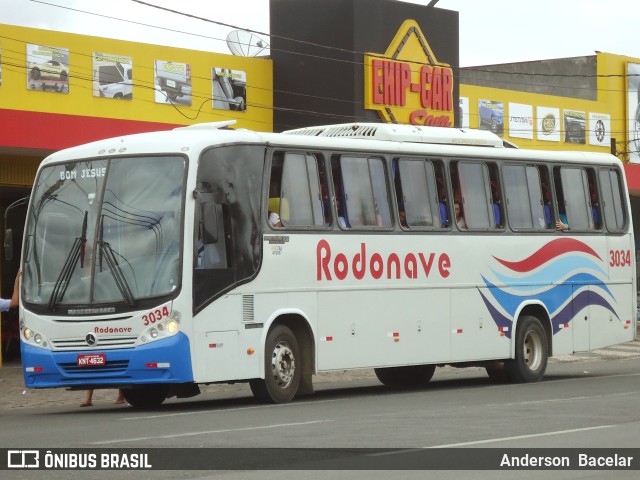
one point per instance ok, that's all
(350, 52)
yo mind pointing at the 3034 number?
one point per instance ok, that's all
(155, 316)
(619, 258)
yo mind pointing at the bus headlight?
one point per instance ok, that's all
(27, 333)
(166, 328)
(33, 337)
(172, 326)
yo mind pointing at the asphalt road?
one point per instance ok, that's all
(583, 402)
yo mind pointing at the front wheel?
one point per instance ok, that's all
(148, 396)
(532, 352)
(282, 368)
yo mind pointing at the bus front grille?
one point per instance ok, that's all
(101, 344)
(112, 366)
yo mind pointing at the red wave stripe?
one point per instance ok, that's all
(551, 250)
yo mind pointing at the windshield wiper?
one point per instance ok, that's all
(77, 252)
(116, 271)
(108, 254)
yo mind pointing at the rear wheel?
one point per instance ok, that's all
(148, 396)
(282, 368)
(530, 361)
(413, 375)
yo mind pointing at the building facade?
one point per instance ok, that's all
(335, 61)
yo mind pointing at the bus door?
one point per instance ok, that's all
(14, 213)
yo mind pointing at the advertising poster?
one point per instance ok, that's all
(600, 129)
(173, 82)
(575, 126)
(491, 116)
(47, 68)
(229, 89)
(464, 112)
(548, 124)
(520, 120)
(633, 110)
(112, 76)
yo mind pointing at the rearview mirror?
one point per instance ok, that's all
(8, 244)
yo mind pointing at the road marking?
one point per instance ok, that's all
(223, 410)
(569, 399)
(521, 437)
(208, 432)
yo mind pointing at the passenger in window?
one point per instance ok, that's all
(402, 216)
(546, 207)
(460, 222)
(274, 220)
(562, 223)
(495, 201)
(595, 207)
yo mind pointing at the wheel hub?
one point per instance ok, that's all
(283, 365)
(533, 350)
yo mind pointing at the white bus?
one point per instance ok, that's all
(161, 261)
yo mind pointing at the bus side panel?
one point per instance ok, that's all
(617, 326)
(611, 327)
(220, 346)
(474, 334)
(382, 327)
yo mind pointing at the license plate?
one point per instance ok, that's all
(171, 83)
(92, 359)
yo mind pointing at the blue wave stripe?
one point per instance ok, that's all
(582, 300)
(499, 319)
(552, 272)
(577, 279)
(553, 298)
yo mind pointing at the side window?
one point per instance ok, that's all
(612, 203)
(526, 206)
(296, 189)
(419, 204)
(594, 200)
(362, 197)
(572, 190)
(472, 195)
(496, 196)
(227, 183)
(213, 245)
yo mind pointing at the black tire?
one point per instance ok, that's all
(413, 375)
(532, 352)
(35, 74)
(149, 396)
(63, 76)
(498, 374)
(283, 367)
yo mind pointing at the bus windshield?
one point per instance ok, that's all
(104, 232)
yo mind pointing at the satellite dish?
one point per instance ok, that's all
(245, 44)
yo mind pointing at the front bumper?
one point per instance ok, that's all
(164, 361)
